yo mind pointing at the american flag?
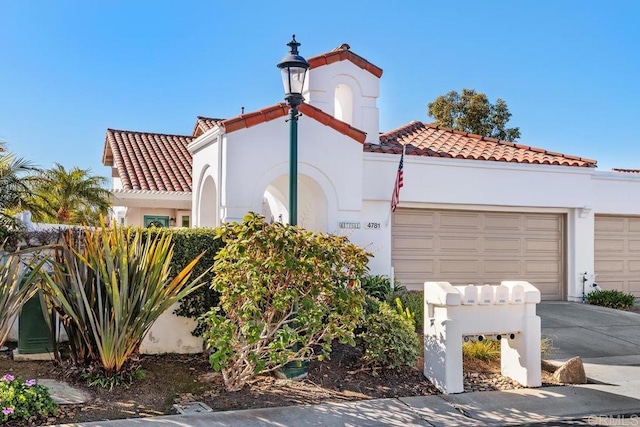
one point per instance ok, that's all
(395, 197)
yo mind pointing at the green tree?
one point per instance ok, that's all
(73, 196)
(472, 112)
(17, 175)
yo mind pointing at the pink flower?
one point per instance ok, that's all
(8, 377)
(29, 383)
(7, 411)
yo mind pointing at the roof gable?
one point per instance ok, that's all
(203, 124)
(433, 141)
(149, 161)
(342, 53)
(276, 111)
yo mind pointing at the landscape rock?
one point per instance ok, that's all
(571, 372)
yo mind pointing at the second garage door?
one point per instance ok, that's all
(465, 247)
(617, 253)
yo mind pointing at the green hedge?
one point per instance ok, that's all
(188, 244)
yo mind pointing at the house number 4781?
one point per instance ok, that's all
(373, 226)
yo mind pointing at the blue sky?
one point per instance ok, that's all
(71, 69)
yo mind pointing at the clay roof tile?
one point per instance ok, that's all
(149, 161)
(436, 141)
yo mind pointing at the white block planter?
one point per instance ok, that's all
(454, 314)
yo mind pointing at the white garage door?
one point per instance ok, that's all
(465, 247)
(617, 253)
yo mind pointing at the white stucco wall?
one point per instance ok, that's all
(254, 158)
(171, 334)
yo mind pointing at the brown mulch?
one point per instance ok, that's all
(179, 379)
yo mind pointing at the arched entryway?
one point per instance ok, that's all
(312, 202)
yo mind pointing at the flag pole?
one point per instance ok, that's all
(396, 188)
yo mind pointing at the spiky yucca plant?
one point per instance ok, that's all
(15, 271)
(110, 287)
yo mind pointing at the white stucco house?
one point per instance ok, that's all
(472, 209)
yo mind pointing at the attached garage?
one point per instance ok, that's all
(617, 252)
(479, 247)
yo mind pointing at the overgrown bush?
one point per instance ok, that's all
(109, 288)
(414, 301)
(388, 339)
(286, 292)
(21, 399)
(611, 298)
(189, 243)
(379, 287)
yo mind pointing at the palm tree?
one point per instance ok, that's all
(75, 195)
(17, 176)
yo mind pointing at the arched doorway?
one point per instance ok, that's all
(208, 206)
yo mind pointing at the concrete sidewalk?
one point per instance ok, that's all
(607, 340)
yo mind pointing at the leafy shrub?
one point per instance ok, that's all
(414, 302)
(483, 350)
(379, 287)
(109, 288)
(189, 243)
(611, 298)
(388, 339)
(286, 293)
(21, 399)
(405, 312)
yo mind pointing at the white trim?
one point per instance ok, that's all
(144, 193)
(480, 164)
(616, 176)
(484, 208)
(205, 139)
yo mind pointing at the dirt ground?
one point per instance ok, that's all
(175, 379)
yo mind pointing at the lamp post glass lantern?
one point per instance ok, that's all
(294, 70)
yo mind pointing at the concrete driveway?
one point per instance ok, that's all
(607, 340)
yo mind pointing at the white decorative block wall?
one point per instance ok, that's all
(454, 314)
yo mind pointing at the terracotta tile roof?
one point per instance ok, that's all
(203, 124)
(149, 161)
(281, 109)
(626, 170)
(342, 53)
(430, 140)
(253, 118)
(329, 120)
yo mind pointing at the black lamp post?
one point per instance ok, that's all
(294, 70)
